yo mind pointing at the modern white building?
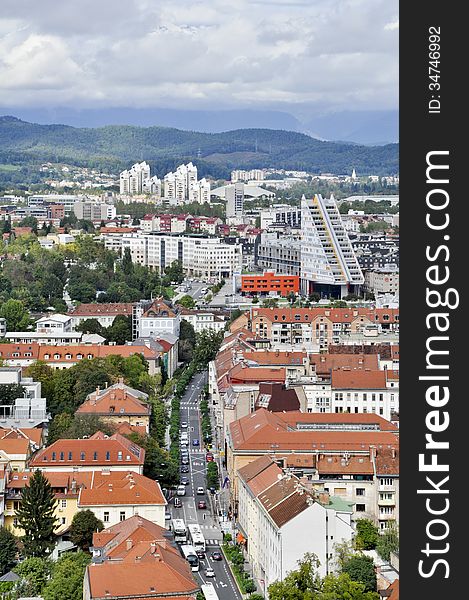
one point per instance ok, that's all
(29, 410)
(94, 211)
(182, 186)
(281, 214)
(56, 323)
(328, 261)
(252, 175)
(201, 320)
(200, 255)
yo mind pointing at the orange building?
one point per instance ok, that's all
(270, 282)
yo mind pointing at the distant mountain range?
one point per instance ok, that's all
(117, 146)
(362, 127)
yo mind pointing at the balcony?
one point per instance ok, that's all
(386, 517)
(391, 502)
(386, 488)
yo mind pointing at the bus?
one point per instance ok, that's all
(209, 592)
(179, 530)
(189, 554)
(196, 536)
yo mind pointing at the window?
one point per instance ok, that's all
(119, 455)
(69, 456)
(54, 456)
(62, 456)
(82, 456)
(108, 455)
(360, 507)
(122, 515)
(63, 503)
(95, 455)
(360, 491)
(63, 520)
(106, 517)
(386, 481)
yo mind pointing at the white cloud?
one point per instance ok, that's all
(200, 54)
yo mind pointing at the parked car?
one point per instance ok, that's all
(181, 489)
(185, 469)
(209, 572)
(202, 504)
(167, 516)
(217, 555)
(184, 481)
(184, 460)
(209, 457)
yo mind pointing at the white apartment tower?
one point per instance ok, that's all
(137, 180)
(182, 186)
(328, 262)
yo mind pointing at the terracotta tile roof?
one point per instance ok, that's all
(242, 374)
(13, 446)
(325, 363)
(96, 309)
(97, 445)
(282, 500)
(57, 479)
(261, 431)
(121, 488)
(266, 357)
(114, 402)
(394, 587)
(159, 309)
(345, 379)
(34, 434)
(49, 353)
(355, 465)
(165, 344)
(387, 460)
(335, 315)
(126, 429)
(136, 529)
(23, 351)
(295, 418)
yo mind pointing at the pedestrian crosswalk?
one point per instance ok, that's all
(209, 542)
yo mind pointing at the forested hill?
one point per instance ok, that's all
(116, 147)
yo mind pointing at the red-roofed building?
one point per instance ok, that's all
(97, 453)
(104, 313)
(118, 404)
(353, 456)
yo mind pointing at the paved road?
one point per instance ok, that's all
(208, 521)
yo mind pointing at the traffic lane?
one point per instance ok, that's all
(223, 582)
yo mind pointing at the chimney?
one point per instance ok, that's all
(324, 497)
(372, 452)
(393, 453)
(74, 485)
(153, 547)
(128, 544)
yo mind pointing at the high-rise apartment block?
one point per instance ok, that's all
(137, 180)
(183, 187)
(234, 195)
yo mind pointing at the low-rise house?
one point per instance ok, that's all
(116, 496)
(158, 319)
(104, 313)
(118, 404)
(202, 320)
(96, 453)
(15, 452)
(134, 559)
(56, 323)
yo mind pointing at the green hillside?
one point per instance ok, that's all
(115, 147)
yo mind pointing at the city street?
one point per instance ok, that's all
(207, 519)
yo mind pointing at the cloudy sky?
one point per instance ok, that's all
(294, 55)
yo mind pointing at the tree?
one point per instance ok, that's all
(68, 573)
(187, 341)
(8, 549)
(86, 426)
(341, 587)
(127, 264)
(303, 583)
(34, 573)
(90, 326)
(207, 346)
(120, 331)
(187, 301)
(9, 392)
(388, 541)
(361, 568)
(367, 535)
(84, 524)
(36, 516)
(16, 315)
(29, 222)
(270, 303)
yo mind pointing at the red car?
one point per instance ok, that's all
(201, 504)
(209, 457)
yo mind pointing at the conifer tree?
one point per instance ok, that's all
(36, 516)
